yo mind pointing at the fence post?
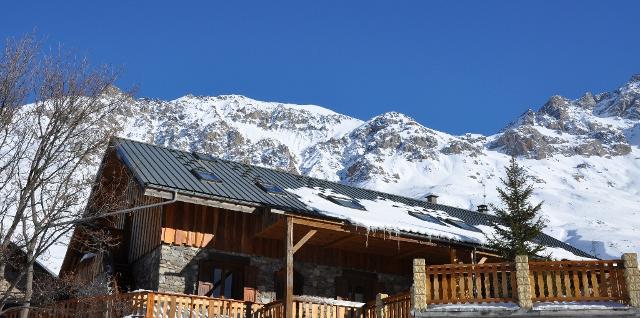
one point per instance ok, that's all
(523, 283)
(419, 287)
(150, 305)
(632, 278)
(380, 305)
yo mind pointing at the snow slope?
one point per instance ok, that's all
(584, 154)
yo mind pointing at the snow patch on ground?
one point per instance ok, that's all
(578, 305)
(474, 307)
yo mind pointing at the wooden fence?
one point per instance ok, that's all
(145, 304)
(307, 307)
(577, 281)
(398, 306)
(466, 283)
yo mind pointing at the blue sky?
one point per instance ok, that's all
(456, 66)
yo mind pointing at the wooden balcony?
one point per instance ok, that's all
(564, 282)
(148, 304)
(548, 281)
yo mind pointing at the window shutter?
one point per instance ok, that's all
(250, 283)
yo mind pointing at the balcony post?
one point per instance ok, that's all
(419, 287)
(380, 305)
(632, 278)
(523, 283)
(288, 289)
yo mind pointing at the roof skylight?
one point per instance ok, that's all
(462, 225)
(444, 221)
(345, 202)
(426, 217)
(206, 176)
(270, 188)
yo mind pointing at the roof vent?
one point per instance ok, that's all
(483, 208)
(432, 198)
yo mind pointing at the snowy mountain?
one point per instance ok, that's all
(584, 154)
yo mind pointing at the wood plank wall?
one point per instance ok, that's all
(144, 224)
(209, 227)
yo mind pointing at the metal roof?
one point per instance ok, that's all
(164, 168)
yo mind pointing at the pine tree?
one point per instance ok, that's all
(519, 222)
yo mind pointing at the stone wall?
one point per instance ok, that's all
(178, 272)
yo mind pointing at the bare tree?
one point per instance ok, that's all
(16, 74)
(66, 129)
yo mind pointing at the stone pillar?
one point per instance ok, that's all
(380, 305)
(523, 283)
(419, 287)
(632, 278)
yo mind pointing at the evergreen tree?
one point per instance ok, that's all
(519, 222)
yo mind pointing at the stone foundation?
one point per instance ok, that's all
(178, 272)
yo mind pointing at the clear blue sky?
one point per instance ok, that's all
(465, 66)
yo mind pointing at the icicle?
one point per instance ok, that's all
(366, 243)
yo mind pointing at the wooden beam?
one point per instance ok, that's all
(288, 294)
(304, 239)
(200, 201)
(487, 254)
(410, 252)
(453, 256)
(333, 226)
(339, 240)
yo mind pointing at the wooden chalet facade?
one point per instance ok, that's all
(235, 233)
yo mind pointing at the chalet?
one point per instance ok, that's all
(205, 226)
(204, 237)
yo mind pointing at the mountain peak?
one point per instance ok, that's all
(635, 78)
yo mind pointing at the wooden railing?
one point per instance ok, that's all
(308, 307)
(145, 304)
(398, 306)
(91, 307)
(577, 281)
(369, 309)
(187, 306)
(466, 283)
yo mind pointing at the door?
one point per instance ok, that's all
(221, 280)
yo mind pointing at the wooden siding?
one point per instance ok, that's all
(144, 225)
(210, 227)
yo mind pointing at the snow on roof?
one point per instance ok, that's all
(385, 215)
(395, 217)
(165, 168)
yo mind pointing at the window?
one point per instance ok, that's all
(218, 279)
(345, 202)
(426, 217)
(206, 176)
(270, 188)
(462, 225)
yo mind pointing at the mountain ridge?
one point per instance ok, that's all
(583, 154)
